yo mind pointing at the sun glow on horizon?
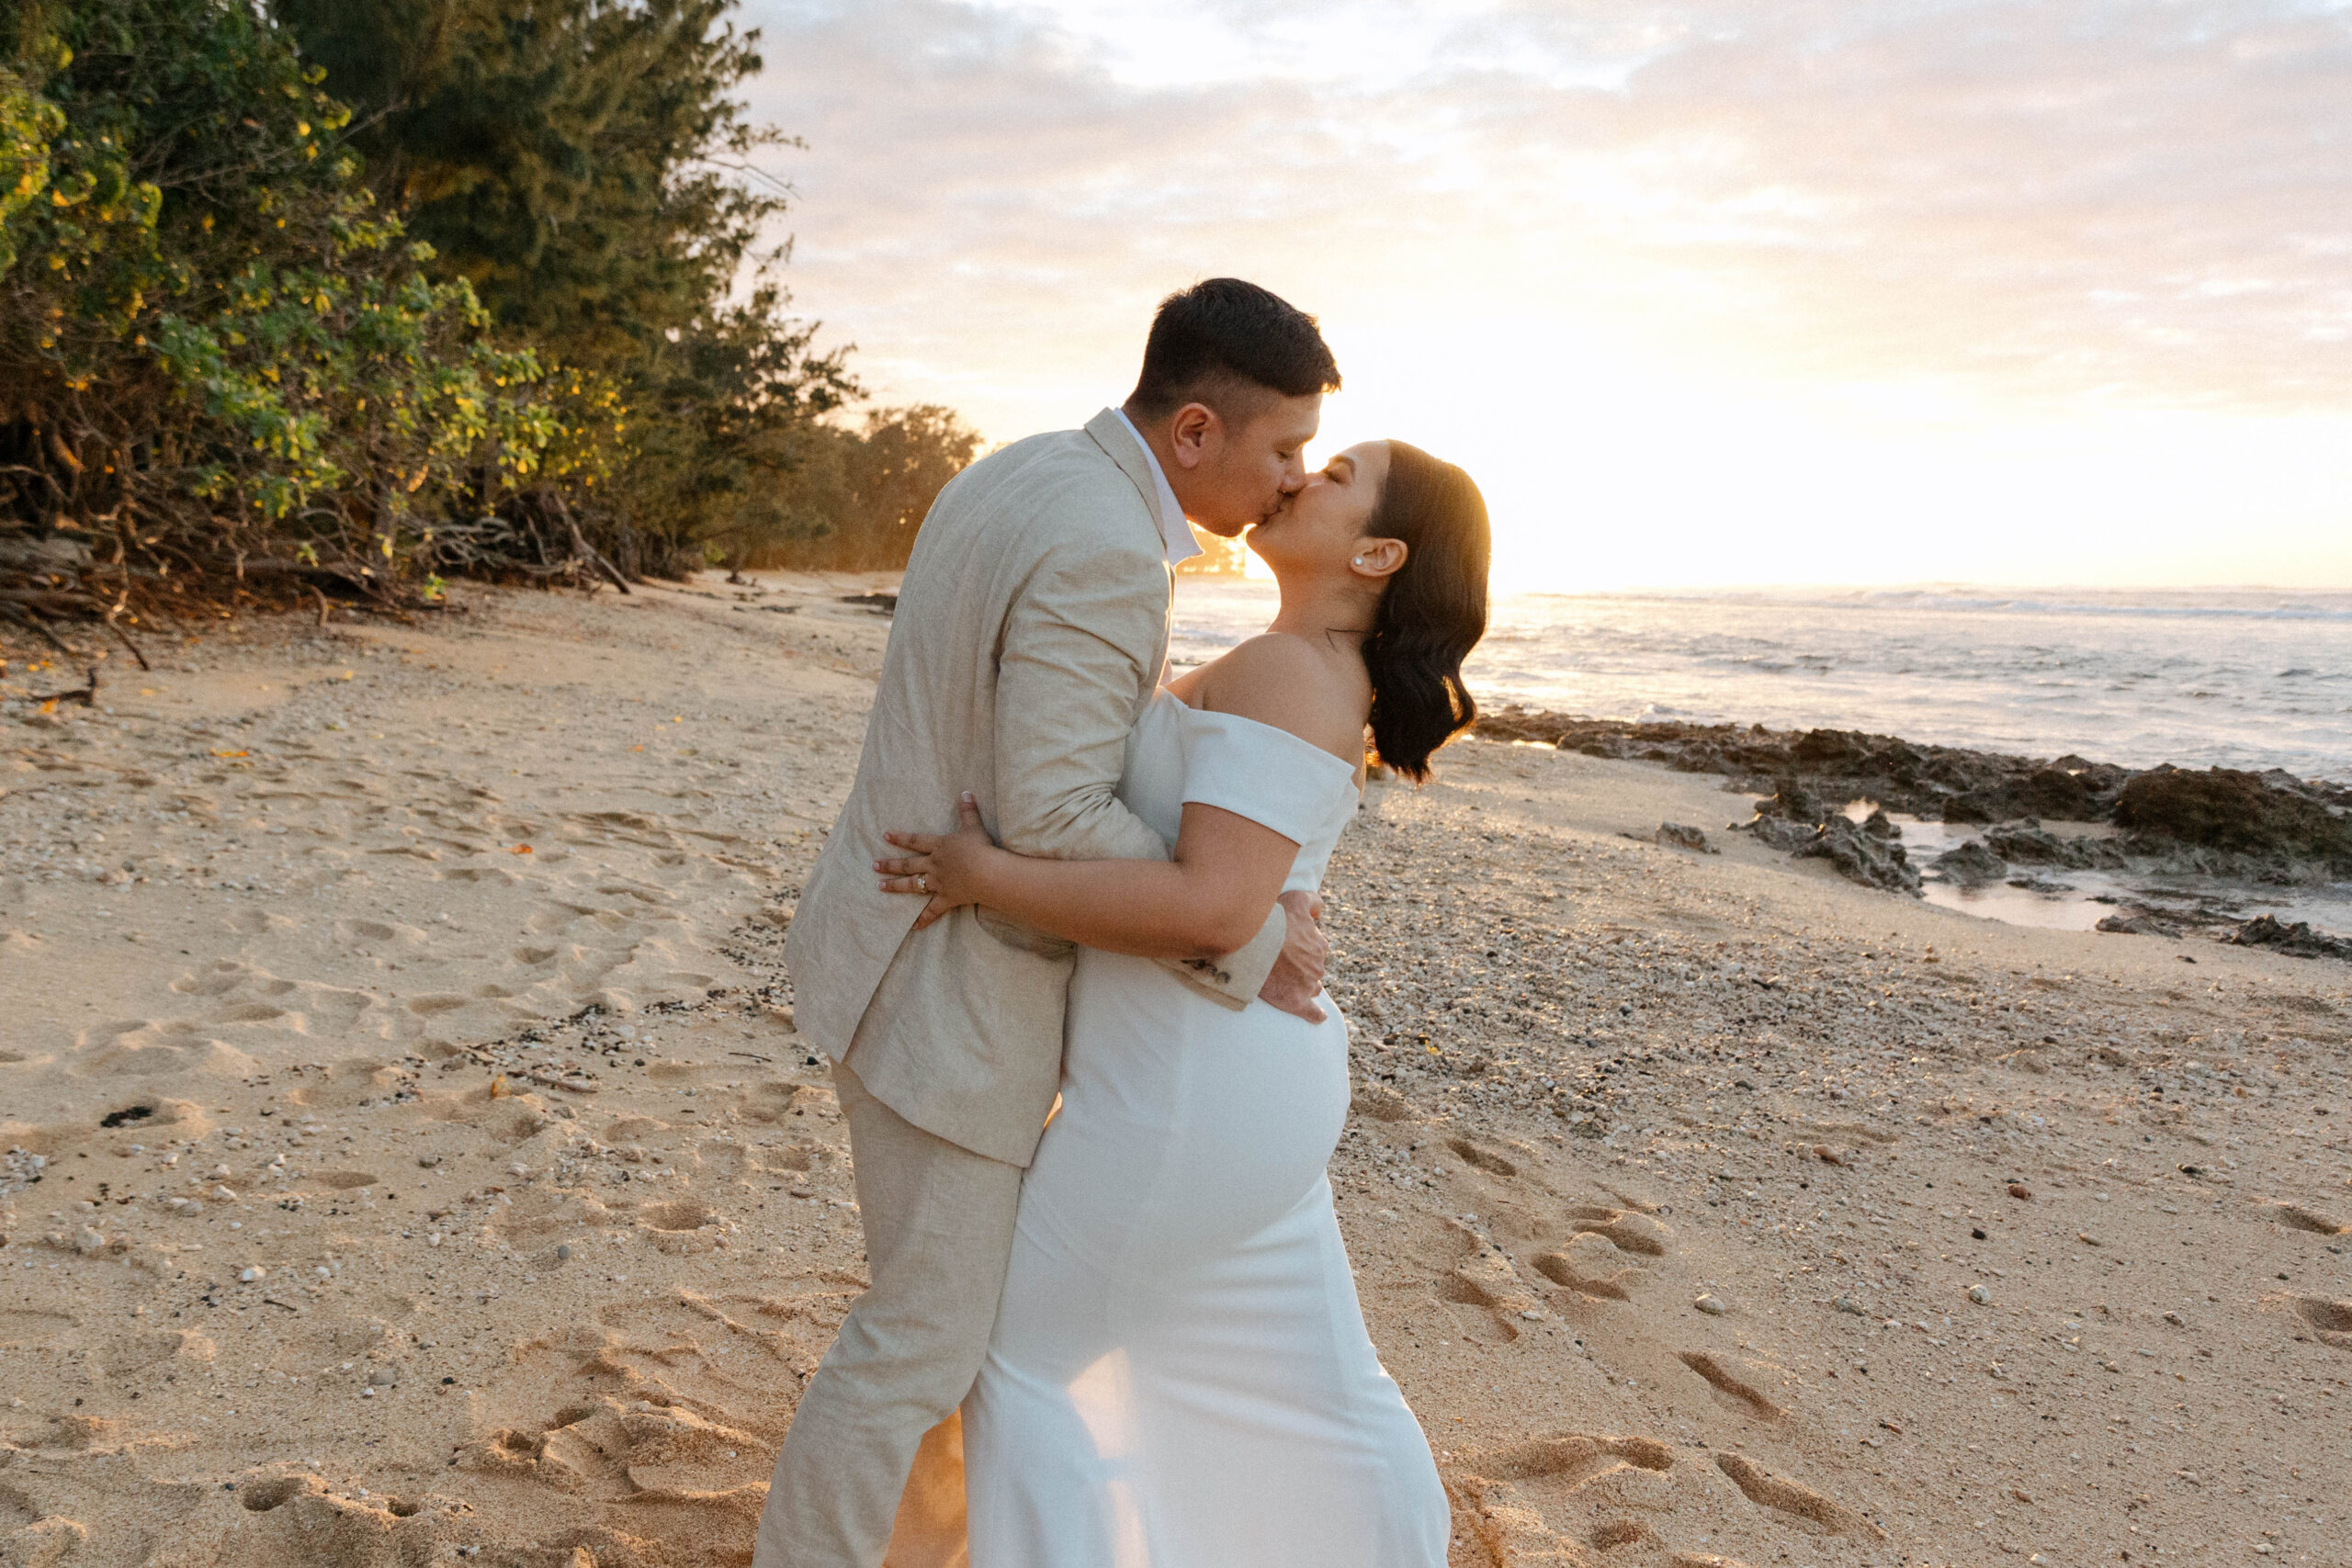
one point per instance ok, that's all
(1604, 473)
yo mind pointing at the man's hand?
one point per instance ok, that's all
(1297, 976)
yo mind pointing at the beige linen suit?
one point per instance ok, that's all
(1030, 631)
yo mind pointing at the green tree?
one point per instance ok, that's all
(218, 357)
(586, 165)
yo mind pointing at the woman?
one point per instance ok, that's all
(1180, 1376)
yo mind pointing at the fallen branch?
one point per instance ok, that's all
(580, 542)
(86, 695)
(27, 618)
(124, 635)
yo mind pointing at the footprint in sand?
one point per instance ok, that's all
(1766, 1490)
(155, 1047)
(281, 1516)
(2295, 1217)
(1720, 1376)
(140, 1351)
(384, 941)
(1486, 1277)
(1510, 1496)
(681, 1226)
(220, 978)
(629, 1129)
(770, 1101)
(2329, 1321)
(1590, 1266)
(1484, 1159)
(22, 1327)
(1600, 1257)
(663, 1416)
(1628, 1230)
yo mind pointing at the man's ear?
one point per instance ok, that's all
(1192, 432)
(1377, 558)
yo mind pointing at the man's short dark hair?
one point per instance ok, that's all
(1221, 341)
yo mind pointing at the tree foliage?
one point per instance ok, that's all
(586, 165)
(351, 292)
(855, 497)
(219, 357)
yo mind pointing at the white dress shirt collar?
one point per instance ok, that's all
(1175, 534)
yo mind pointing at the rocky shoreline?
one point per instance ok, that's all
(2162, 822)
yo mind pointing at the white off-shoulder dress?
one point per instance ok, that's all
(1180, 1376)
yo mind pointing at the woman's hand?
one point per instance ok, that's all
(945, 867)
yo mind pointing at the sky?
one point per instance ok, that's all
(1702, 293)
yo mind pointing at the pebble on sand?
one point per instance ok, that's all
(1711, 1306)
(1980, 1295)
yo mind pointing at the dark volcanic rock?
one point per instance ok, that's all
(1791, 802)
(2028, 841)
(2223, 808)
(1976, 805)
(2137, 922)
(1675, 835)
(2298, 940)
(1795, 821)
(2220, 822)
(2054, 792)
(1947, 782)
(1971, 865)
(1869, 853)
(1784, 834)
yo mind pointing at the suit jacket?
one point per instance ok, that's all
(1031, 629)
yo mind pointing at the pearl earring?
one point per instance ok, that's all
(1359, 560)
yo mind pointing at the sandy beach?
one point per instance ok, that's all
(406, 1156)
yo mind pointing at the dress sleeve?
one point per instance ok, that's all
(1266, 774)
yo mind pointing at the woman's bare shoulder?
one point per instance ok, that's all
(1286, 681)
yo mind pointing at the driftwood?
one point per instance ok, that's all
(580, 542)
(27, 618)
(122, 636)
(86, 695)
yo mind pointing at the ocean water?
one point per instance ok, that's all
(2241, 678)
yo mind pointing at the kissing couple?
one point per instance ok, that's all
(1128, 1338)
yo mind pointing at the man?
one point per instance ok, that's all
(1031, 630)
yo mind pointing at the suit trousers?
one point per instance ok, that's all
(871, 1470)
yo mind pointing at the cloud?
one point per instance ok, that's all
(2071, 199)
(2065, 277)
